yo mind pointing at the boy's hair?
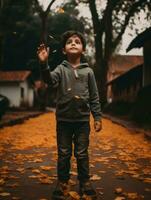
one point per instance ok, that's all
(69, 34)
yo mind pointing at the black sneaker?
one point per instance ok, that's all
(61, 191)
(87, 189)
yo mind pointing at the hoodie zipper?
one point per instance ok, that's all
(76, 73)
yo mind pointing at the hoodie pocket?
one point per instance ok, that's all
(82, 105)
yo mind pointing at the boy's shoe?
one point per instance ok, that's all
(61, 191)
(87, 189)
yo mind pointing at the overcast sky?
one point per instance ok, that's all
(128, 36)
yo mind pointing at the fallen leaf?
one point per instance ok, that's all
(47, 168)
(95, 177)
(37, 171)
(45, 180)
(21, 170)
(132, 195)
(148, 189)
(147, 180)
(119, 198)
(5, 194)
(102, 171)
(118, 190)
(38, 160)
(74, 195)
(2, 181)
(32, 176)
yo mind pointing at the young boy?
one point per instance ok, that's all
(77, 96)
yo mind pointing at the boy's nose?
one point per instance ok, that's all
(73, 43)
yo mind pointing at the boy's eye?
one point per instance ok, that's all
(68, 41)
(73, 41)
(77, 42)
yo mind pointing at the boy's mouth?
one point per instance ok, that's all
(73, 48)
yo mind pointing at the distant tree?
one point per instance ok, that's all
(43, 14)
(54, 23)
(18, 31)
(109, 24)
(23, 29)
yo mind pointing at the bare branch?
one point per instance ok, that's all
(38, 7)
(50, 4)
(131, 13)
(95, 17)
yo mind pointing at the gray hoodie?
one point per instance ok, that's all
(77, 93)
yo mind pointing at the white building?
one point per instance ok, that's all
(17, 87)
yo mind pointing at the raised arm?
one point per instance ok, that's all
(51, 78)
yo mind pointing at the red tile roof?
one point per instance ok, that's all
(125, 62)
(119, 64)
(14, 76)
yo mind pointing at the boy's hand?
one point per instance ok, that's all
(98, 126)
(43, 53)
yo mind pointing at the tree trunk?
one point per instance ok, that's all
(100, 68)
(101, 76)
(44, 28)
(103, 49)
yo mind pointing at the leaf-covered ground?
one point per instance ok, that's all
(120, 162)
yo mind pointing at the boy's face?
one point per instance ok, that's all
(73, 46)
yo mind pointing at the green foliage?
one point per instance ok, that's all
(21, 30)
(70, 8)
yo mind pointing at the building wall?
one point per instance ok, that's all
(19, 94)
(126, 87)
(30, 97)
(26, 94)
(120, 64)
(12, 92)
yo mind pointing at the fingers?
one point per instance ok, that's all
(41, 48)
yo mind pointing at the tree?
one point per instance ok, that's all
(25, 28)
(19, 31)
(109, 25)
(17, 28)
(44, 18)
(53, 24)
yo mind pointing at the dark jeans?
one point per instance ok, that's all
(76, 133)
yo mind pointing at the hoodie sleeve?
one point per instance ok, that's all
(94, 97)
(51, 78)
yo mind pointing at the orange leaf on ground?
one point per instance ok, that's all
(2, 181)
(95, 177)
(47, 168)
(118, 190)
(5, 194)
(74, 195)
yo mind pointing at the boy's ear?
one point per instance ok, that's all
(63, 51)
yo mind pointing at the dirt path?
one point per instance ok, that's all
(120, 162)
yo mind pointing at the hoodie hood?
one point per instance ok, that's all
(67, 64)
